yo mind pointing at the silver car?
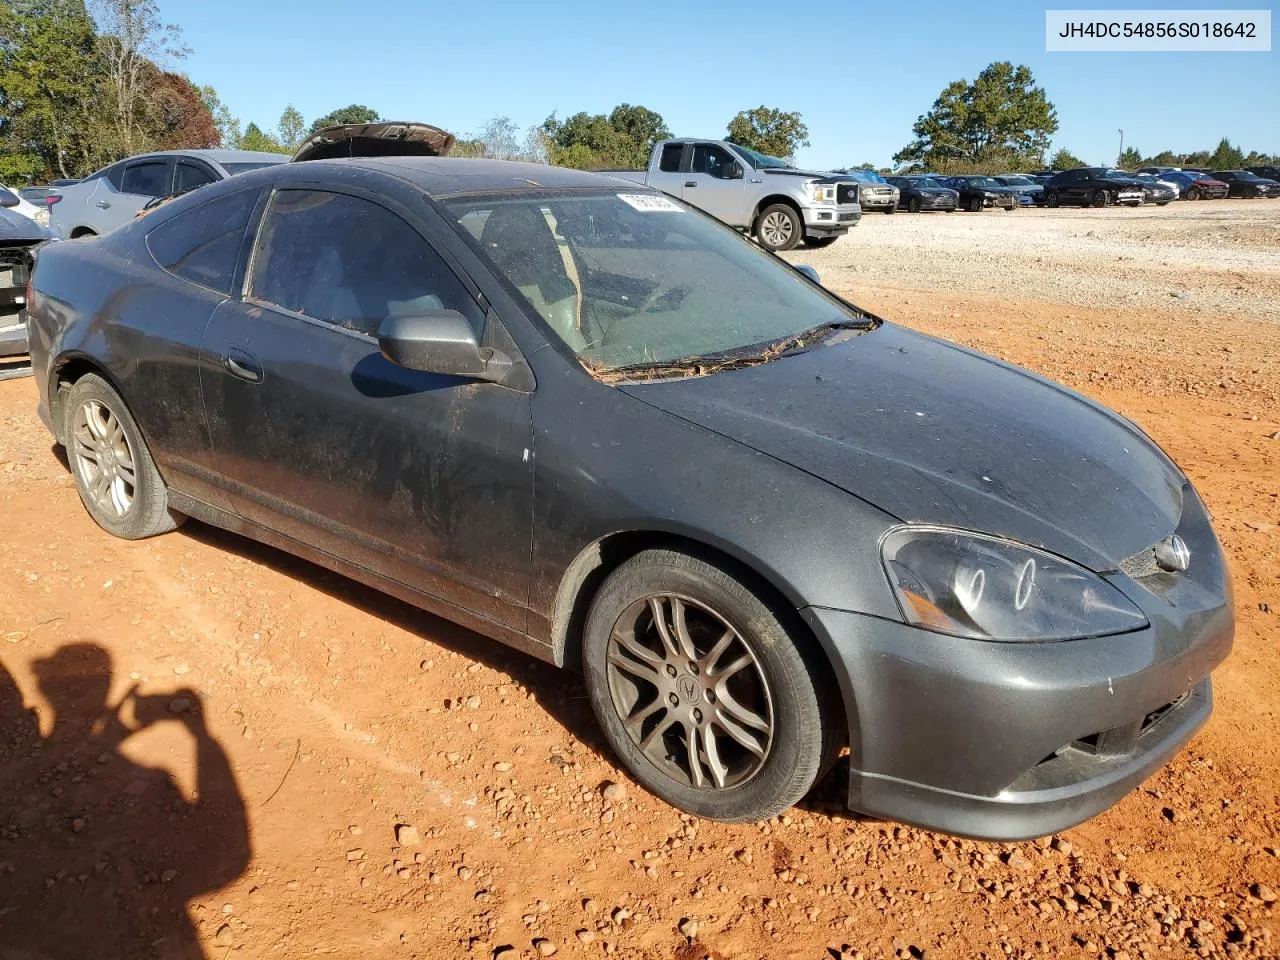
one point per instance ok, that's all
(114, 195)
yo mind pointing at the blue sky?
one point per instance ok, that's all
(860, 73)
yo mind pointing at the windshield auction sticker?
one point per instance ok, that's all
(648, 203)
(1158, 30)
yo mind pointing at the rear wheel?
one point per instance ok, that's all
(913, 205)
(779, 227)
(1100, 198)
(114, 473)
(817, 243)
(709, 700)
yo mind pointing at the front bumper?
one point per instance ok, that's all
(1134, 197)
(831, 219)
(1008, 741)
(877, 201)
(939, 202)
(13, 340)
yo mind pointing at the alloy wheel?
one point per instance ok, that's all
(777, 229)
(103, 458)
(690, 692)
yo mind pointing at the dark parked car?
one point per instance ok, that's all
(923, 193)
(1094, 187)
(19, 239)
(1027, 188)
(1266, 172)
(766, 525)
(1242, 183)
(978, 192)
(1195, 186)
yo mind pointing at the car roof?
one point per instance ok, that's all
(452, 176)
(219, 156)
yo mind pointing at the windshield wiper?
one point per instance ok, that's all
(797, 342)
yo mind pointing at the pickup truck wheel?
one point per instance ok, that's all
(779, 228)
(893, 209)
(913, 205)
(975, 205)
(704, 692)
(1051, 199)
(114, 473)
(1100, 198)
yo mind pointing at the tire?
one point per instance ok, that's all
(913, 205)
(974, 205)
(1051, 199)
(893, 209)
(101, 435)
(1099, 199)
(1193, 193)
(817, 243)
(782, 684)
(779, 228)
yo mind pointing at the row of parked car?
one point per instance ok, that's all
(1085, 186)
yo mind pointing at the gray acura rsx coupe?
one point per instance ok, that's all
(588, 421)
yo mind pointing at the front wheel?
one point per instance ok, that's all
(893, 209)
(975, 205)
(913, 205)
(710, 701)
(1193, 193)
(1100, 198)
(114, 473)
(779, 228)
(1051, 199)
(817, 243)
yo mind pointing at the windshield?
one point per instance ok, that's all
(244, 166)
(986, 183)
(865, 176)
(625, 279)
(1113, 172)
(760, 160)
(1245, 175)
(1019, 182)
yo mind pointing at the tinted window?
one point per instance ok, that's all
(203, 244)
(351, 263)
(114, 175)
(189, 176)
(147, 179)
(671, 153)
(710, 159)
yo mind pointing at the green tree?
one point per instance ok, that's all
(1064, 159)
(638, 128)
(1226, 157)
(256, 139)
(49, 86)
(291, 128)
(779, 133)
(1165, 158)
(1002, 118)
(353, 113)
(1130, 159)
(589, 141)
(228, 127)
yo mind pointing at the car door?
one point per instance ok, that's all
(710, 184)
(126, 189)
(1080, 186)
(421, 478)
(669, 176)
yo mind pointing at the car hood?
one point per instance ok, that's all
(934, 433)
(15, 228)
(385, 138)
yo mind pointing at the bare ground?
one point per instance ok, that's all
(342, 714)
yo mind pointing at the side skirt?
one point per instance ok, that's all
(217, 517)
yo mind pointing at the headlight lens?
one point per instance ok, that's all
(972, 585)
(822, 192)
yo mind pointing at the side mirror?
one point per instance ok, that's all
(9, 199)
(733, 171)
(440, 341)
(809, 272)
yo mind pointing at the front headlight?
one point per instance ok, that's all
(822, 192)
(973, 585)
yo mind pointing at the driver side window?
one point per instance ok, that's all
(712, 160)
(351, 263)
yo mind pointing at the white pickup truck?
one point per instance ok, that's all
(761, 195)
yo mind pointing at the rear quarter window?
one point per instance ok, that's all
(202, 245)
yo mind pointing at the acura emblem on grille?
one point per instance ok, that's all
(1173, 554)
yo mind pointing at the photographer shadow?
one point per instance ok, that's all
(100, 855)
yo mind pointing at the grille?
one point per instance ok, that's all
(1141, 564)
(846, 193)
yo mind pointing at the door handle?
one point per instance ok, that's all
(691, 183)
(243, 366)
(103, 204)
